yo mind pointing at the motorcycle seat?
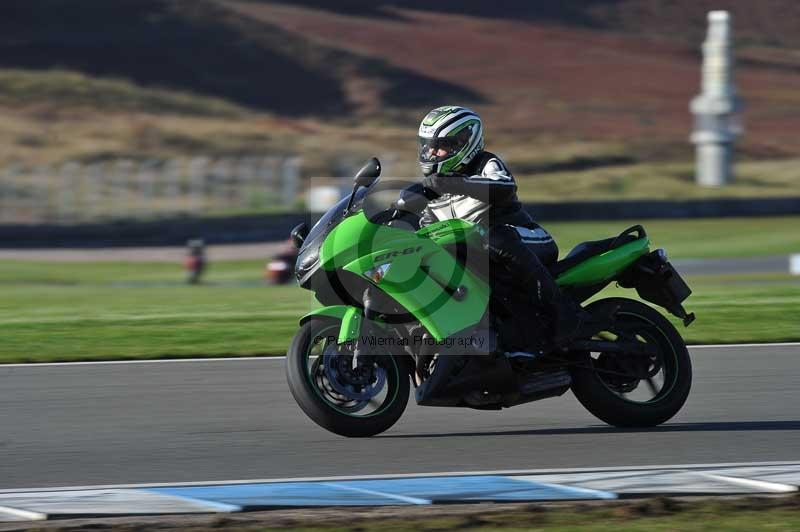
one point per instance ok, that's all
(592, 248)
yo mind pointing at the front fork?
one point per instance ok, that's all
(366, 332)
(369, 348)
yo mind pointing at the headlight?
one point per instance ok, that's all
(377, 273)
(662, 254)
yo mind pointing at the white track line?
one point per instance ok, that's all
(393, 496)
(604, 494)
(507, 472)
(776, 344)
(760, 485)
(283, 357)
(154, 361)
(22, 514)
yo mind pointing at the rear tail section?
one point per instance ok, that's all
(629, 261)
(606, 266)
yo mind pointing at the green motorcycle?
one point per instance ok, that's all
(427, 306)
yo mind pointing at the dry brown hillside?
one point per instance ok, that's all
(616, 70)
(565, 87)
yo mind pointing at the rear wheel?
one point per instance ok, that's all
(634, 390)
(354, 402)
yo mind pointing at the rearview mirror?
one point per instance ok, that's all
(368, 173)
(299, 234)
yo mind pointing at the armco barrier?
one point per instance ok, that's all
(162, 232)
(648, 209)
(273, 227)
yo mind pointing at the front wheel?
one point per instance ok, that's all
(350, 401)
(634, 390)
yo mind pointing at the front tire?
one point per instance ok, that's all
(607, 395)
(329, 408)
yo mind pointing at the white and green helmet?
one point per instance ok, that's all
(449, 138)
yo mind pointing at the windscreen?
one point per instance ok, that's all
(334, 216)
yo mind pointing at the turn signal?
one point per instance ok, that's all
(376, 274)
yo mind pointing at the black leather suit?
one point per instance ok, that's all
(487, 195)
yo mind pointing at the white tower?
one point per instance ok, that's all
(716, 108)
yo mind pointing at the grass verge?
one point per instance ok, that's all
(648, 516)
(109, 311)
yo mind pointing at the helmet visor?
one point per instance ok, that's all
(436, 150)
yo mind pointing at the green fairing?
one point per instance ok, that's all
(603, 268)
(355, 237)
(454, 231)
(415, 279)
(420, 267)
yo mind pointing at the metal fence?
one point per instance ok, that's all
(126, 189)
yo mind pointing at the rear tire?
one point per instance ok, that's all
(323, 412)
(608, 405)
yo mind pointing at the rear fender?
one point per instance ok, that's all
(658, 282)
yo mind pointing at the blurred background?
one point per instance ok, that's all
(124, 123)
(137, 108)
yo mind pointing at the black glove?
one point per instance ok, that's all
(451, 183)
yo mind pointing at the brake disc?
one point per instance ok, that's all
(361, 383)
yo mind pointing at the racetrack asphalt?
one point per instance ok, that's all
(185, 421)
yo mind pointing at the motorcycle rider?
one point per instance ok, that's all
(475, 185)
